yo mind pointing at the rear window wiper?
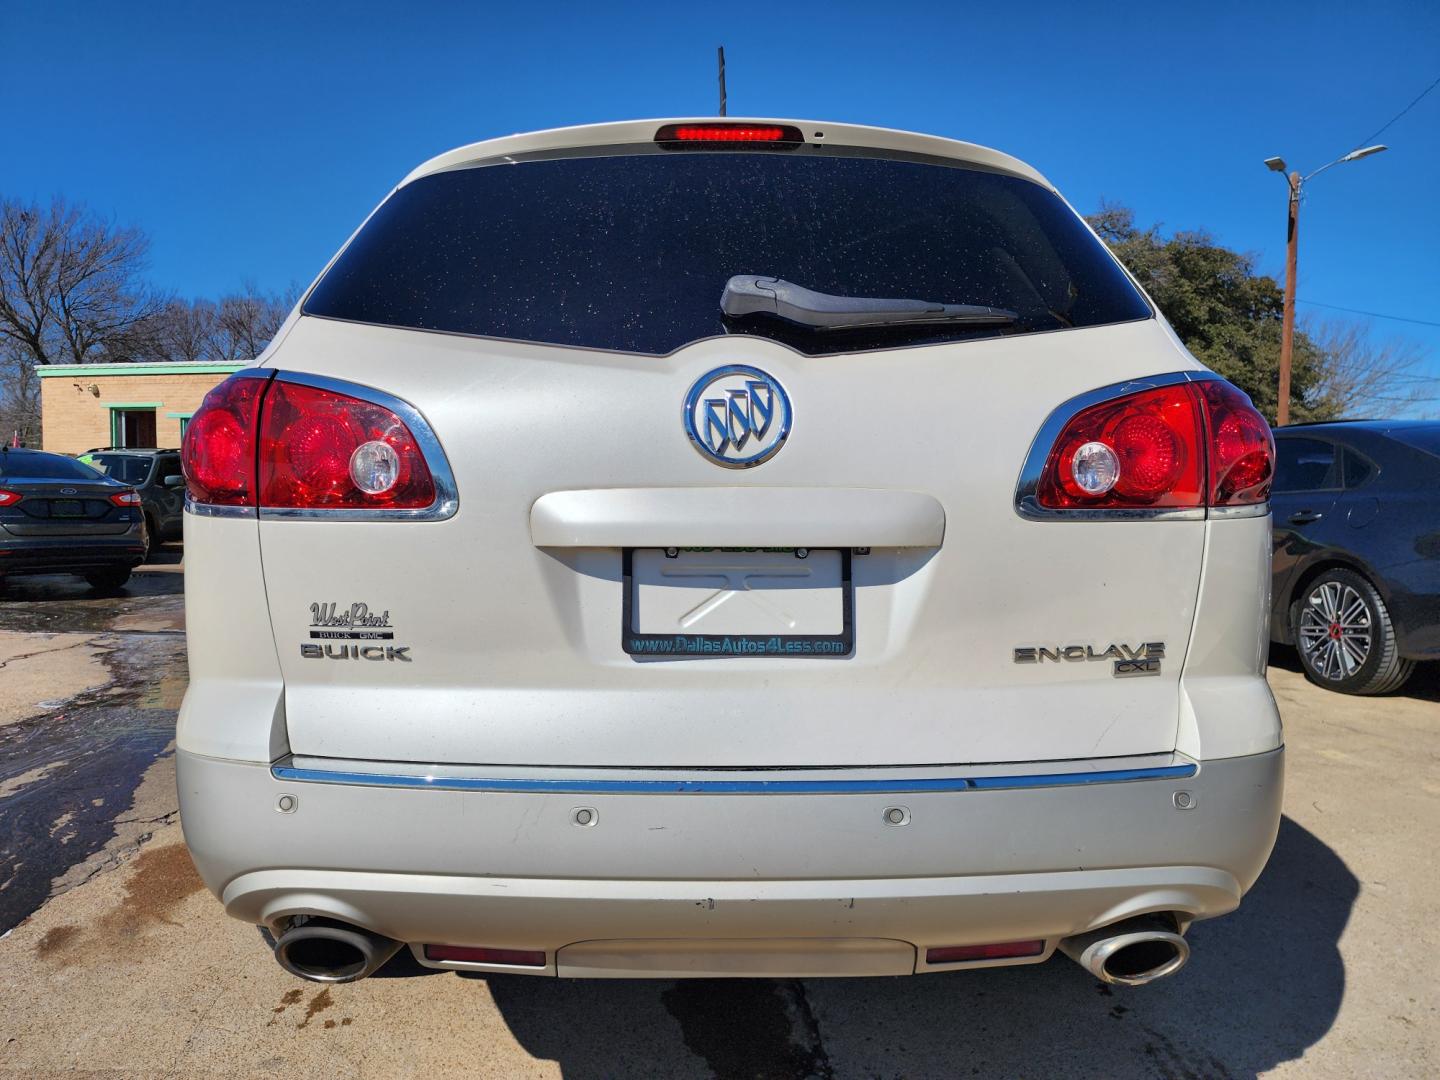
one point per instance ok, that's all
(752, 294)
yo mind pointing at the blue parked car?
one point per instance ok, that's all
(1356, 586)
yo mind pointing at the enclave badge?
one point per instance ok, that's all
(737, 416)
(1128, 661)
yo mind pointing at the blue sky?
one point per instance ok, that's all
(249, 139)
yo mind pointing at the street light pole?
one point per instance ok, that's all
(1295, 182)
(1287, 324)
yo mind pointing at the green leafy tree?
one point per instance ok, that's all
(1228, 315)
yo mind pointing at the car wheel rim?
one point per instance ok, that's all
(1335, 631)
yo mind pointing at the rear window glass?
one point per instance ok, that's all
(44, 467)
(1357, 468)
(127, 468)
(632, 252)
(1305, 465)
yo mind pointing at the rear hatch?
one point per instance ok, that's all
(58, 497)
(553, 314)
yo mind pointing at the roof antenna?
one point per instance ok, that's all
(721, 50)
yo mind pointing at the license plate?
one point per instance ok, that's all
(721, 602)
(67, 508)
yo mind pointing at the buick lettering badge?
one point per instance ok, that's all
(737, 416)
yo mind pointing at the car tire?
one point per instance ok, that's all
(1345, 638)
(152, 538)
(108, 580)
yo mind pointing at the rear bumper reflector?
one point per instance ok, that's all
(283, 771)
(464, 954)
(1005, 950)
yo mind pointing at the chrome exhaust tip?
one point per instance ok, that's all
(329, 951)
(1132, 952)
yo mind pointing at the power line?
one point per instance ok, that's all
(1371, 138)
(1372, 314)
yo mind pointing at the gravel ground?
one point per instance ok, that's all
(120, 964)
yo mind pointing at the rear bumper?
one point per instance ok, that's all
(71, 554)
(751, 876)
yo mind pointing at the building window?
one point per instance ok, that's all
(132, 425)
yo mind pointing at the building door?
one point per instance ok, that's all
(133, 427)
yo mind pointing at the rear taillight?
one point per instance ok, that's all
(219, 452)
(1184, 446)
(289, 446)
(126, 498)
(1242, 450)
(320, 449)
(9, 498)
(1139, 450)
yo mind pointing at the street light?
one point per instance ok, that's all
(1287, 334)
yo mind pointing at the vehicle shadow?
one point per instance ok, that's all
(1423, 685)
(1263, 985)
(160, 576)
(168, 553)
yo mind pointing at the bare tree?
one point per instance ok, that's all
(249, 319)
(19, 398)
(1360, 376)
(71, 286)
(237, 327)
(186, 330)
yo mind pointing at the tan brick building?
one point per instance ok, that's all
(83, 406)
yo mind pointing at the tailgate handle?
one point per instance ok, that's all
(737, 517)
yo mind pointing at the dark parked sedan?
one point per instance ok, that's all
(60, 516)
(1357, 550)
(156, 475)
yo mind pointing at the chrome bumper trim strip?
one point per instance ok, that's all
(282, 771)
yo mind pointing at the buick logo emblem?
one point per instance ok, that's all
(737, 416)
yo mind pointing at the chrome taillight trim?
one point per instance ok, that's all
(216, 510)
(1248, 510)
(1027, 505)
(447, 497)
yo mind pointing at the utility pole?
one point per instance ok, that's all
(1287, 331)
(1295, 182)
(721, 51)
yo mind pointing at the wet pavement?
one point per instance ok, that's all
(70, 763)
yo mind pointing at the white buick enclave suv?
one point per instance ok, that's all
(712, 548)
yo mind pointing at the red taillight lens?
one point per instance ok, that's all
(1154, 455)
(467, 955)
(714, 133)
(10, 498)
(1242, 450)
(219, 452)
(1189, 445)
(773, 134)
(320, 449)
(1005, 950)
(303, 448)
(126, 498)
